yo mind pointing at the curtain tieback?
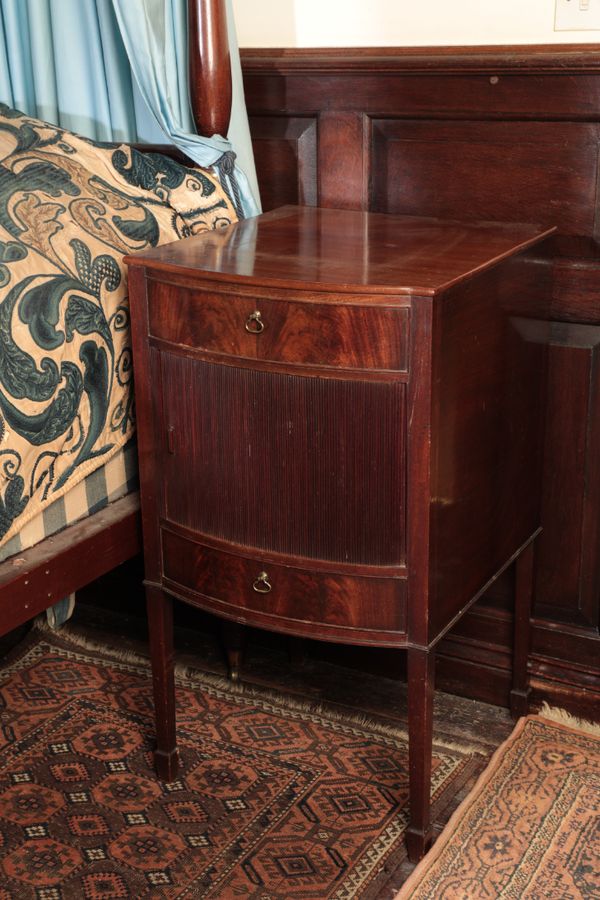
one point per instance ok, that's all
(226, 168)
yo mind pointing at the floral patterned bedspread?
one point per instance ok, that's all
(70, 210)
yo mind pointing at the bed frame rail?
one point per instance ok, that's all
(39, 577)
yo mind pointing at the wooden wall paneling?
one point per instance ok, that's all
(386, 92)
(285, 152)
(576, 289)
(481, 170)
(482, 133)
(567, 655)
(344, 151)
(568, 564)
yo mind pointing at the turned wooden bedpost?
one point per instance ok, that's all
(210, 66)
(210, 92)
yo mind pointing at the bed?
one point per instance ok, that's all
(70, 209)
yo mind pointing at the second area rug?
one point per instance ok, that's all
(531, 826)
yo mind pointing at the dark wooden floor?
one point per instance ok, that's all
(114, 610)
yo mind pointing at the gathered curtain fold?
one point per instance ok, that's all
(117, 70)
(155, 36)
(64, 61)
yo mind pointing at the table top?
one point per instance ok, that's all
(345, 250)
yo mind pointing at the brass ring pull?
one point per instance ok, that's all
(254, 323)
(262, 585)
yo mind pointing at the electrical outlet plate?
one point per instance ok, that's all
(577, 15)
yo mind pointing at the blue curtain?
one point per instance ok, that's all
(64, 61)
(155, 35)
(115, 70)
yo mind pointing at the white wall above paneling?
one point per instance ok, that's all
(362, 23)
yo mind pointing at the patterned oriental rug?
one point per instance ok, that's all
(531, 826)
(275, 800)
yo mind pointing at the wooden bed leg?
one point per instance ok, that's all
(234, 640)
(421, 667)
(160, 624)
(519, 695)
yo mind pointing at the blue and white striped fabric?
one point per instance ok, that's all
(119, 476)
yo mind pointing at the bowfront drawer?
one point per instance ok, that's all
(281, 597)
(295, 332)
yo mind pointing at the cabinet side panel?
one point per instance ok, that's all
(490, 355)
(295, 465)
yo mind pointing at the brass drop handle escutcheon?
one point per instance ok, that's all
(254, 323)
(262, 585)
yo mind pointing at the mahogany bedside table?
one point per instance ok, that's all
(340, 436)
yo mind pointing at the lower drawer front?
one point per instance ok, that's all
(269, 595)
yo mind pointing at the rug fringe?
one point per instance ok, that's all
(314, 708)
(305, 707)
(71, 633)
(192, 674)
(562, 717)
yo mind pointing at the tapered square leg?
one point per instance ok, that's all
(421, 664)
(160, 624)
(524, 575)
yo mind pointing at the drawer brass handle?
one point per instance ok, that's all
(262, 585)
(254, 323)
